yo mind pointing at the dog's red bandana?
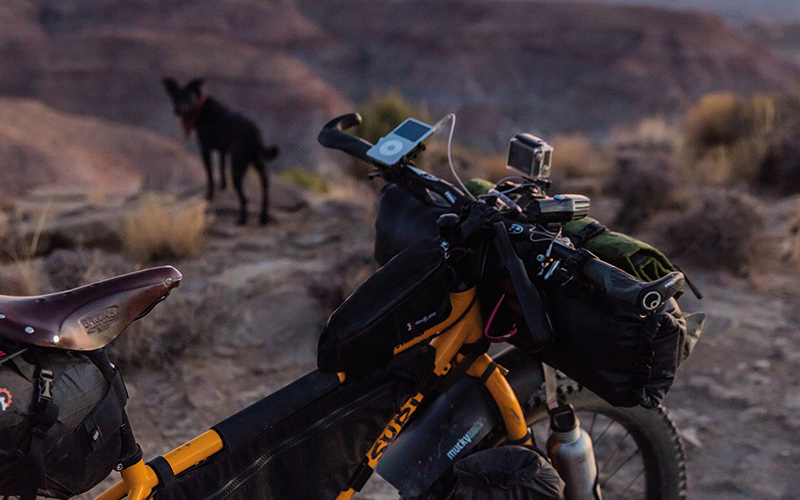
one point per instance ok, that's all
(188, 120)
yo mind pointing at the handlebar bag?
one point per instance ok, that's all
(606, 346)
(401, 221)
(59, 422)
(389, 312)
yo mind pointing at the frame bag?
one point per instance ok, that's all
(389, 311)
(60, 419)
(305, 441)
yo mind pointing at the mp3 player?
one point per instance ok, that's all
(400, 141)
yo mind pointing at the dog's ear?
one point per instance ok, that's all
(195, 85)
(171, 85)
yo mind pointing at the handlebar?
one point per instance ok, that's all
(333, 136)
(646, 297)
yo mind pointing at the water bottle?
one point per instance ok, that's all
(570, 449)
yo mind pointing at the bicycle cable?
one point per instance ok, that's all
(452, 118)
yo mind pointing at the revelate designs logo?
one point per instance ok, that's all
(5, 399)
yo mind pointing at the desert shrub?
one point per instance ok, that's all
(71, 268)
(161, 228)
(645, 184)
(303, 178)
(380, 115)
(728, 136)
(652, 135)
(719, 118)
(576, 156)
(720, 230)
(467, 162)
(780, 167)
(729, 164)
(183, 322)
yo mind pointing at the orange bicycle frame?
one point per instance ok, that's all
(464, 326)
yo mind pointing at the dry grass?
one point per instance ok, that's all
(654, 135)
(305, 179)
(728, 137)
(576, 156)
(160, 228)
(25, 276)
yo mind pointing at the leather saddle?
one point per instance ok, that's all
(88, 317)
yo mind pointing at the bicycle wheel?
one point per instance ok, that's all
(639, 453)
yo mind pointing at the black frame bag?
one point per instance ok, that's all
(60, 421)
(395, 306)
(272, 447)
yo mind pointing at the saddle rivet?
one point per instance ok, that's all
(168, 281)
(29, 329)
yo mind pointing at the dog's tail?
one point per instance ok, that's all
(271, 152)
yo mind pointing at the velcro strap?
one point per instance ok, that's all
(163, 470)
(588, 232)
(44, 418)
(360, 477)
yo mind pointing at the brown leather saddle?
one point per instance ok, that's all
(88, 317)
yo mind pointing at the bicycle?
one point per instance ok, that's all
(450, 399)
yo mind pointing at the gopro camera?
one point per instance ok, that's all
(399, 142)
(530, 156)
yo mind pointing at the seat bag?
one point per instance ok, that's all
(81, 442)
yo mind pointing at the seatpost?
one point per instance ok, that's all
(131, 452)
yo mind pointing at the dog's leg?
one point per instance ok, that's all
(263, 176)
(210, 178)
(238, 169)
(222, 180)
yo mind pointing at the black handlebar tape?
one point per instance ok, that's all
(333, 136)
(645, 296)
(541, 330)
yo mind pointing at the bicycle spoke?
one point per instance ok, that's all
(617, 449)
(599, 438)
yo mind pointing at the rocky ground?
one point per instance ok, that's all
(736, 400)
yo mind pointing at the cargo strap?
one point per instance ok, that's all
(586, 233)
(46, 415)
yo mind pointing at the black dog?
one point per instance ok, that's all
(220, 129)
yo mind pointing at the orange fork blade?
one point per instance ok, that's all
(504, 397)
